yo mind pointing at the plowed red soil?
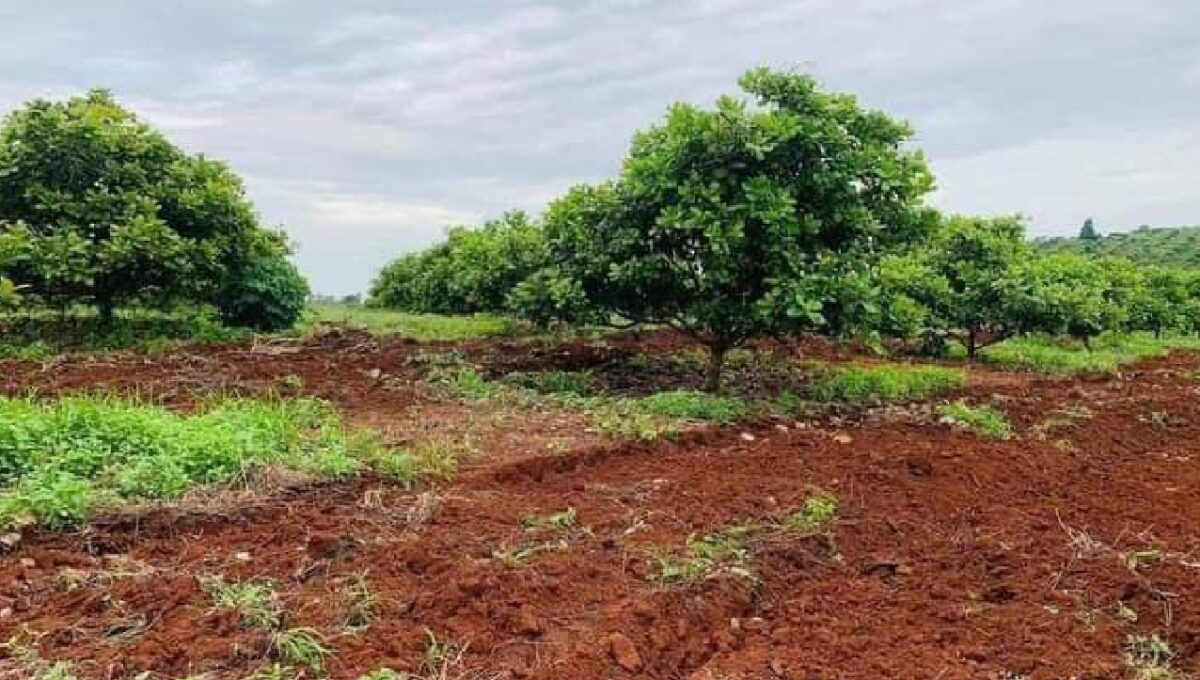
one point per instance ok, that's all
(953, 556)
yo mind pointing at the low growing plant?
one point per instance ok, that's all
(987, 421)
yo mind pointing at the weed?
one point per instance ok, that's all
(886, 383)
(361, 603)
(553, 382)
(63, 459)
(1143, 558)
(987, 421)
(384, 674)
(1148, 657)
(464, 382)
(300, 647)
(815, 516)
(1157, 419)
(691, 405)
(275, 671)
(621, 424)
(706, 556)
(1125, 612)
(434, 459)
(60, 670)
(1109, 352)
(559, 520)
(257, 603)
(441, 655)
(518, 556)
(292, 382)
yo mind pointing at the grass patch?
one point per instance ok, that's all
(986, 421)
(1109, 352)
(416, 326)
(886, 383)
(690, 405)
(816, 515)
(1149, 657)
(62, 460)
(300, 647)
(39, 335)
(256, 602)
(553, 382)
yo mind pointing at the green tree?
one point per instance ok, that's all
(1079, 295)
(742, 220)
(1088, 231)
(968, 277)
(111, 213)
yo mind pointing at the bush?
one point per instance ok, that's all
(887, 383)
(269, 295)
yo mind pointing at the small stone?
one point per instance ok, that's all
(843, 438)
(6, 612)
(242, 556)
(27, 562)
(747, 437)
(624, 653)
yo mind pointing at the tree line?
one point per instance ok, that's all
(98, 209)
(792, 210)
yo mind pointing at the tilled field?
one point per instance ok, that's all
(1046, 556)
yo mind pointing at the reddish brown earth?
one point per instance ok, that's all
(953, 556)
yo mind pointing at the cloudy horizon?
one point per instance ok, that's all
(365, 128)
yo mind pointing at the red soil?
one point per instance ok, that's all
(953, 556)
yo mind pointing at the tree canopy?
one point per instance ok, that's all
(734, 222)
(98, 208)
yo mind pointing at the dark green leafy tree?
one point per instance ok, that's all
(735, 222)
(269, 294)
(110, 213)
(968, 278)
(1079, 295)
(1158, 299)
(473, 271)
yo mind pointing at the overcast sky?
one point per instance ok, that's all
(366, 127)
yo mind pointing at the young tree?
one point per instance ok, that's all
(740, 221)
(1079, 295)
(112, 213)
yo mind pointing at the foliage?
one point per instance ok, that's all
(1078, 295)
(886, 383)
(301, 647)
(256, 602)
(963, 283)
(268, 295)
(37, 335)
(60, 460)
(1047, 354)
(987, 421)
(689, 405)
(744, 220)
(97, 208)
(1169, 247)
(416, 326)
(553, 382)
(815, 516)
(472, 271)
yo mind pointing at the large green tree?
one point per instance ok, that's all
(745, 219)
(101, 209)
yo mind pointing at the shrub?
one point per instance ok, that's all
(269, 295)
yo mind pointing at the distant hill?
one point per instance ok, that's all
(1174, 246)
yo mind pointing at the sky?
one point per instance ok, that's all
(366, 128)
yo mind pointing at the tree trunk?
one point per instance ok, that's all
(107, 313)
(716, 362)
(972, 343)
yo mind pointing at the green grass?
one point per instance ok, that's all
(987, 421)
(415, 326)
(62, 460)
(552, 382)
(256, 602)
(1062, 356)
(691, 405)
(816, 515)
(886, 383)
(40, 335)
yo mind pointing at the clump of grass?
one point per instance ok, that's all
(361, 602)
(464, 382)
(61, 460)
(886, 383)
(384, 674)
(618, 422)
(441, 655)
(520, 555)
(815, 516)
(300, 647)
(706, 556)
(987, 421)
(433, 459)
(1046, 354)
(256, 602)
(1148, 657)
(563, 520)
(553, 382)
(692, 405)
